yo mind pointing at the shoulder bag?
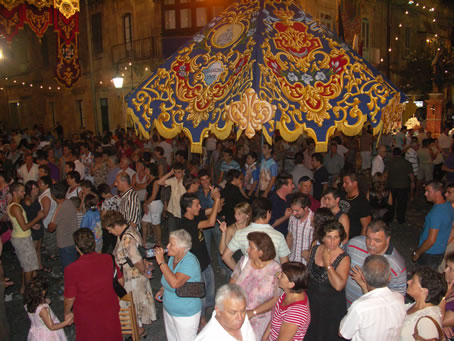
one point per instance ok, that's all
(417, 337)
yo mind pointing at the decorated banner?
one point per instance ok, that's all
(264, 65)
(39, 15)
(68, 67)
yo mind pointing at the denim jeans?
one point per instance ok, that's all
(207, 235)
(67, 255)
(430, 260)
(208, 278)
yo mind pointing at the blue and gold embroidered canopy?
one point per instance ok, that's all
(264, 65)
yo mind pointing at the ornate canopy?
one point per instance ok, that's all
(264, 65)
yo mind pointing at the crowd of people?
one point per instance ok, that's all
(302, 238)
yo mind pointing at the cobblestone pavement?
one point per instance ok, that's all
(404, 238)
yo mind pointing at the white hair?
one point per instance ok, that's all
(183, 239)
(233, 291)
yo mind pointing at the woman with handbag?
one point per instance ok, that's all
(136, 270)
(423, 319)
(182, 309)
(89, 288)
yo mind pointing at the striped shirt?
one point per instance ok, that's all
(296, 313)
(130, 207)
(357, 250)
(302, 235)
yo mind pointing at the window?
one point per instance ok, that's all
(365, 32)
(407, 39)
(104, 114)
(96, 32)
(185, 17)
(201, 16)
(52, 111)
(80, 112)
(127, 32)
(327, 20)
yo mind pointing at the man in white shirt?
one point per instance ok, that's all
(261, 215)
(379, 314)
(29, 170)
(445, 141)
(229, 321)
(124, 167)
(378, 165)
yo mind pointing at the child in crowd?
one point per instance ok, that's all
(44, 324)
(77, 204)
(92, 219)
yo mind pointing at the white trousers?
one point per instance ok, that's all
(181, 328)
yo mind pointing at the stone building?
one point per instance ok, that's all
(130, 37)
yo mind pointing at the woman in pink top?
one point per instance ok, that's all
(291, 314)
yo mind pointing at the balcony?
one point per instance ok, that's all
(142, 49)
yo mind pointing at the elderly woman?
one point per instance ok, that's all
(427, 287)
(256, 274)
(291, 314)
(328, 267)
(135, 269)
(89, 288)
(181, 314)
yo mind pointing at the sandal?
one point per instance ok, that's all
(44, 269)
(52, 258)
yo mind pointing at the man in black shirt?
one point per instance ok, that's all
(321, 176)
(359, 210)
(194, 221)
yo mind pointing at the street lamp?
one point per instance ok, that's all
(118, 81)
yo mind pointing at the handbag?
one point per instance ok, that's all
(116, 285)
(191, 289)
(417, 337)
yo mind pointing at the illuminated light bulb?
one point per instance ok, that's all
(427, 41)
(31, 85)
(40, 86)
(446, 71)
(1, 89)
(434, 20)
(406, 12)
(411, 2)
(58, 88)
(436, 35)
(126, 67)
(14, 81)
(389, 49)
(423, 7)
(130, 64)
(122, 74)
(23, 83)
(438, 49)
(400, 25)
(146, 69)
(100, 82)
(6, 78)
(397, 38)
(50, 88)
(417, 4)
(381, 59)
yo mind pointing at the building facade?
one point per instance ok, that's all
(131, 37)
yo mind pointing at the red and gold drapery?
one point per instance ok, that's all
(39, 15)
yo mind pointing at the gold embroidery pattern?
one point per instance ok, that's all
(263, 65)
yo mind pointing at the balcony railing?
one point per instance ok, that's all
(140, 49)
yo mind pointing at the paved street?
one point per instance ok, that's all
(404, 238)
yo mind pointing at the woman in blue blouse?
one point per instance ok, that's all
(181, 314)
